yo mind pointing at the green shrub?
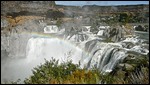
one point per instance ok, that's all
(51, 70)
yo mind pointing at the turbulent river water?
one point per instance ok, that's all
(21, 53)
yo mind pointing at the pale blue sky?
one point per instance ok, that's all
(102, 3)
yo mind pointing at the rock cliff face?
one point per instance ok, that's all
(30, 6)
(16, 39)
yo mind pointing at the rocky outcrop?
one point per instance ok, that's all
(21, 24)
(114, 34)
(14, 41)
(140, 28)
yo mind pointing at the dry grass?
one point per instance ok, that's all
(20, 19)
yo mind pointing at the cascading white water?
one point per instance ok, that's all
(100, 33)
(51, 29)
(40, 48)
(77, 37)
(86, 28)
(115, 58)
(103, 56)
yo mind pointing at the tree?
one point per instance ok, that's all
(123, 18)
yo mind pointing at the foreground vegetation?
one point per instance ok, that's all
(51, 72)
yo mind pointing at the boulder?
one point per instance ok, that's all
(140, 28)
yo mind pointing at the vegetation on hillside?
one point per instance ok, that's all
(54, 14)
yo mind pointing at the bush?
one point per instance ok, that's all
(51, 71)
(68, 73)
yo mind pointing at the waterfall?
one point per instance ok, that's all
(40, 48)
(115, 59)
(103, 56)
(83, 47)
(37, 49)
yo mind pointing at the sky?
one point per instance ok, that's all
(101, 3)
